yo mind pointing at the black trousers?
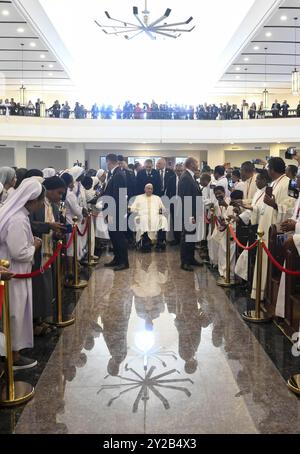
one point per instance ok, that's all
(187, 249)
(177, 234)
(120, 247)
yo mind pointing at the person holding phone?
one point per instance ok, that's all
(277, 207)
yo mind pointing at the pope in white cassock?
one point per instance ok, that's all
(149, 219)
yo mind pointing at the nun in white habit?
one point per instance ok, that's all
(18, 245)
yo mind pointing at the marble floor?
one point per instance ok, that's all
(157, 350)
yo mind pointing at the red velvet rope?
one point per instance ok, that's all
(85, 229)
(43, 268)
(281, 268)
(246, 248)
(66, 246)
(207, 221)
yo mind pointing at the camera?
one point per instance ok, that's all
(293, 189)
(291, 152)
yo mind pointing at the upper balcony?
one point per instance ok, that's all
(34, 129)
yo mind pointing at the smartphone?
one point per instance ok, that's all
(269, 191)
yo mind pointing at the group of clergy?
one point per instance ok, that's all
(37, 208)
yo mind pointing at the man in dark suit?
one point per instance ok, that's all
(172, 191)
(146, 176)
(189, 192)
(276, 109)
(129, 176)
(164, 174)
(116, 188)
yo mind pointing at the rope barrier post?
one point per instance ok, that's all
(77, 283)
(13, 392)
(90, 261)
(59, 300)
(257, 315)
(227, 282)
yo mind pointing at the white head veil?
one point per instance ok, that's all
(29, 189)
(1, 188)
(76, 172)
(6, 174)
(100, 173)
(49, 172)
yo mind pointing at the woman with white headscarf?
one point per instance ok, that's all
(49, 172)
(8, 179)
(18, 245)
(101, 227)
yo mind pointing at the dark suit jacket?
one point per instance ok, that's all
(142, 179)
(171, 186)
(116, 182)
(188, 187)
(169, 173)
(130, 183)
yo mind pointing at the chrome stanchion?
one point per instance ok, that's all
(59, 300)
(90, 260)
(12, 392)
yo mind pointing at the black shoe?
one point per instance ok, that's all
(175, 243)
(111, 264)
(121, 267)
(187, 268)
(196, 263)
(24, 363)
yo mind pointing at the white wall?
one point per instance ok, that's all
(39, 158)
(237, 157)
(6, 157)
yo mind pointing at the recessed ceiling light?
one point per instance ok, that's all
(283, 18)
(256, 47)
(5, 12)
(51, 66)
(43, 56)
(238, 68)
(268, 34)
(237, 77)
(50, 74)
(32, 44)
(20, 30)
(246, 59)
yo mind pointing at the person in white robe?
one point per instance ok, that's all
(149, 220)
(277, 207)
(238, 185)
(249, 215)
(76, 203)
(49, 172)
(292, 228)
(220, 210)
(101, 226)
(18, 246)
(8, 179)
(221, 180)
(249, 178)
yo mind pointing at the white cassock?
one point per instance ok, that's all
(207, 201)
(73, 209)
(239, 186)
(250, 189)
(280, 304)
(101, 225)
(223, 246)
(148, 220)
(224, 183)
(214, 238)
(249, 217)
(17, 246)
(267, 216)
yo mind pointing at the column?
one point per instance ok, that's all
(20, 155)
(215, 155)
(275, 149)
(75, 151)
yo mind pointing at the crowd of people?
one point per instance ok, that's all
(136, 206)
(152, 111)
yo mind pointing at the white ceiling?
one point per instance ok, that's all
(15, 30)
(276, 75)
(181, 70)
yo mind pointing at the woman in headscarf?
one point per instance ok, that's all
(8, 179)
(49, 172)
(101, 229)
(45, 224)
(18, 245)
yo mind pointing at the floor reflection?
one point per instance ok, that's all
(153, 339)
